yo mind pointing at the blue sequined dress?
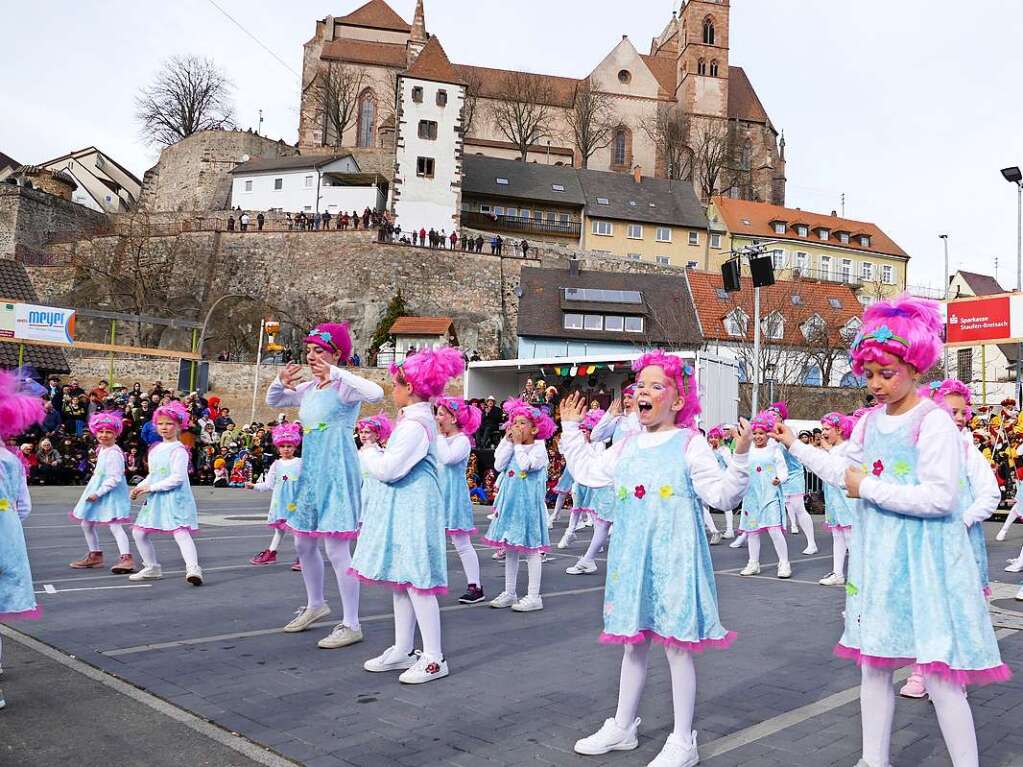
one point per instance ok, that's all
(167, 511)
(521, 523)
(114, 506)
(17, 597)
(763, 506)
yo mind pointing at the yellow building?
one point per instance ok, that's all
(811, 246)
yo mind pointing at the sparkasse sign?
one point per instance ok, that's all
(984, 320)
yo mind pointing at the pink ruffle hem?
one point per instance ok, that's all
(280, 524)
(471, 531)
(432, 591)
(514, 547)
(118, 521)
(189, 530)
(763, 529)
(1000, 673)
(986, 591)
(699, 646)
(840, 528)
(344, 535)
(25, 615)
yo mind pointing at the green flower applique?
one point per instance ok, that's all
(623, 493)
(851, 590)
(901, 468)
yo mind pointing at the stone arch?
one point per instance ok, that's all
(708, 30)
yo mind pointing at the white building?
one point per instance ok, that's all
(103, 184)
(428, 154)
(306, 184)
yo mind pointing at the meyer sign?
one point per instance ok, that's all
(984, 320)
(29, 322)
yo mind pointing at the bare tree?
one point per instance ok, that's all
(669, 129)
(339, 87)
(591, 120)
(523, 110)
(714, 156)
(473, 86)
(190, 94)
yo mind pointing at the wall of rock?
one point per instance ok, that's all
(32, 220)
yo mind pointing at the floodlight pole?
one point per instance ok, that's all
(749, 253)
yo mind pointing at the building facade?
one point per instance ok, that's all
(306, 185)
(103, 184)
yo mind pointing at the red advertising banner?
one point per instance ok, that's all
(979, 320)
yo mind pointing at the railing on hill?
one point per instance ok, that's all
(827, 275)
(922, 291)
(520, 224)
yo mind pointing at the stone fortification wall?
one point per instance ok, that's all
(31, 220)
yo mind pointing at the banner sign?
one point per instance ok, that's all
(984, 320)
(6, 320)
(29, 322)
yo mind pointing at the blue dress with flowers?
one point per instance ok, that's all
(763, 506)
(795, 483)
(17, 597)
(114, 506)
(521, 523)
(167, 511)
(284, 501)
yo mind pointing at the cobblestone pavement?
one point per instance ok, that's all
(523, 687)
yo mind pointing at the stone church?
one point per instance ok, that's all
(352, 63)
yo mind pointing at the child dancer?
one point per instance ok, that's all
(794, 490)
(562, 490)
(520, 526)
(105, 499)
(328, 503)
(402, 541)
(763, 507)
(457, 422)
(169, 506)
(664, 593)
(600, 501)
(18, 411)
(716, 440)
(913, 590)
(583, 497)
(839, 509)
(282, 479)
(373, 434)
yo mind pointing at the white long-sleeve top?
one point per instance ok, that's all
(530, 457)
(179, 468)
(408, 445)
(290, 467)
(350, 389)
(720, 490)
(606, 426)
(725, 453)
(937, 471)
(453, 449)
(772, 452)
(984, 486)
(22, 500)
(109, 461)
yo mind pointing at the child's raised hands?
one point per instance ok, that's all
(615, 409)
(783, 434)
(743, 437)
(573, 408)
(291, 376)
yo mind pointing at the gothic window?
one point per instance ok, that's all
(708, 31)
(701, 67)
(746, 156)
(620, 147)
(714, 68)
(367, 119)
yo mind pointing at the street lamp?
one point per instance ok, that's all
(1014, 176)
(944, 352)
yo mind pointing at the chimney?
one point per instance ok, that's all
(637, 174)
(573, 266)
(834, 213)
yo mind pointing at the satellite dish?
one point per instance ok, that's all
(245, 158)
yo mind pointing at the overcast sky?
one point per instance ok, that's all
(909, 108)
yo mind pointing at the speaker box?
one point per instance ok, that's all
(762, 271)
(730, 276)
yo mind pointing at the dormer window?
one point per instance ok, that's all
(779, 227)
(801, 230)
(774, 326)
(824, 234)
(865, 240)
(736, 323)
(843, 237)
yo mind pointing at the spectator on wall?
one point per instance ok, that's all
(260, 220)
(244, 221)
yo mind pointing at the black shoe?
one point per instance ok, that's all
(472, 595)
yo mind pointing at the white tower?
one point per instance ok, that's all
(428, 147)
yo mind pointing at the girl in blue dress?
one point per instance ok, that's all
(660, 578)
(458, 421)
(105, 500)
(402, 544)
(716, 440)
(373, 431)
(19, 410)
(169, 507)
(793, 489)
(913, 593)
(282, 480)
(520, 526)
(328, 503)
(839, 509)
(584, 499)
(763, 506)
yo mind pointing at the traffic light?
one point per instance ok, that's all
(272, 328)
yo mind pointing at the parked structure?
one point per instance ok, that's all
(314, 184)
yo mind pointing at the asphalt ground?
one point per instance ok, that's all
(163, 673)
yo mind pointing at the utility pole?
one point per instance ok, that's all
(944, 296)
(259, 130)
(843, 204)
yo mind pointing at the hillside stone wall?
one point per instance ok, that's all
(31, 221)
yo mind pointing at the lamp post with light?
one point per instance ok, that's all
(944, 352)
(1014, 176)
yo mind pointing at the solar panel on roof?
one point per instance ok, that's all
(598, 295)
(603, 201)
(835, 303)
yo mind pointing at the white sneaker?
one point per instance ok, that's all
(794, 531)
(784, 570)
(2, 701)
(340, 636)
(728, 534)
(426, 669)
(550, 523)
(832, 579)
(194, 575)
(608, 738)
(1000, 535)
(528, 604)
(566, 540)
(715, 538)
(1019, 594)
(582, 567)
(677, 753)
(147, 573)
(391, 660)
(1015, 566)
(811, 549)
(751, 568)
(306, 617)
(588, 522)
(739, 542)
(498, 555)
(504, 599)
(492, 515)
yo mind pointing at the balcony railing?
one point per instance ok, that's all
(825, 275)
(921, 291)
(520, 224)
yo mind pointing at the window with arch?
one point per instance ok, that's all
(621, 147)
(746, 155)
(367, 119)
(852, 381)
(708, 31)
(714, 68)
(812, 376)
(701, 67)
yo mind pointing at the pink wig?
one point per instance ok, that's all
(839, 421)
(175, 411)
(468, 417)
(18, 409)
(938, 390)
(591, 419)
(716, 433)
(781, 409)
(629, 391)
(287, 434)
(765, 420)
(113, 421)
(429, 371)
(379, 424)
(513, 408)
(681, 373)
(331, 337)
(907, 328)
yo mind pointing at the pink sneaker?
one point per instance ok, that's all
(265, 557)
(296, 566)
(914, 687)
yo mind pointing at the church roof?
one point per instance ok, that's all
(433, 64)
(743, 102)
(662, 68)
(562, 89)
(376, 14)
(365, 52)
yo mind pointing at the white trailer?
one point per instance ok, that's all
(717, 379)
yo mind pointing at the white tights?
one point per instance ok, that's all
(708, 520)
(511, 572)
(877, 710)
(411, 608)
(781, 548)
(185, 545)
(120, 537)
(275, 543)
(558, 505)
(601, 531)
(1012, 516)
(339, 552)
(801, 517)
(840, 540)
(683, 686)
(470, 559)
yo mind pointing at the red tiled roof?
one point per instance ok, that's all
(365, 52)
(743, 102)
(982, 284)
(471, 141)
(376, 14)
(433, 64)
(421, 326)
(814, 298)
(562, 89)
(664, 69)
(753, 219)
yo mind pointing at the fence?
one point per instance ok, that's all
(521, 224)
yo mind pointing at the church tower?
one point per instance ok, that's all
(419, 36)
(703, 58)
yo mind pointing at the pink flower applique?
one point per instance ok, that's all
(639, 492)
(878, 468)
(511, 472)
(760, 469)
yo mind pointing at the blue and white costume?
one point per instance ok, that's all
(979, 496)
(17, 597)
(795, 482)
(282, 480)
(839, 509)
(169, 504)
(521, 523)
(763, 506)
(112, 505)
(453, 454)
